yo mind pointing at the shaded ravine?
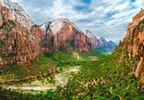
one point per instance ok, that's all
(36, 86)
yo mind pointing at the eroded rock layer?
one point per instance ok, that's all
(61, 34)
(133, 45)
(17, 44)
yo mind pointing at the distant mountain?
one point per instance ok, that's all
(21, 42)
(61, 34)
(100, 44)
(105, 46)
(93, 39)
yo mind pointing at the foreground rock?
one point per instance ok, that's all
(17, 45)
(12, 11)
(133, 45)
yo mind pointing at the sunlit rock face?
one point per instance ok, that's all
(133, 44)
(61, 34)
(21, 41)
(100, 44)
(95, 42)
(17, 45)
(12, 11)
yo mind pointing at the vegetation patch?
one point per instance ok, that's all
(101, 79)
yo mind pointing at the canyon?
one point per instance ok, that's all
(23, 41)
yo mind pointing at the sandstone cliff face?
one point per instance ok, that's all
(17, 44)
(133, 44)
(20, 46)
(95, 42)
(12, 11)
(21, 16)
(61, 34)
(40, 33)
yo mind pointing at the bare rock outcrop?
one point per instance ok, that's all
(133, 44)
(17, 45)
(61, 34)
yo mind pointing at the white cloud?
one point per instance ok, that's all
(107, 18)
(14, 0)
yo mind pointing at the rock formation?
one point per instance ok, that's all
(17, 44)
(105, 46)
(100, 44)
(93, 39)
(133, 45)
(12, 11)
(61, 34)
(21, 41)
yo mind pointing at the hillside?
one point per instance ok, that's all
(132, 45)
(61, 34)
(83, 75)
(89, 75)
(17, 45)
(58, 61)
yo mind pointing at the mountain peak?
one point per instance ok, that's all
(62, 34)
(89, 33)
(57, 24)
(100, 44)
(16, 13)
(102, 39)
(62, 19)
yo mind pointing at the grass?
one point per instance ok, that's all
(45, 62)
(99, 79)
(113, 81)
(41, 65)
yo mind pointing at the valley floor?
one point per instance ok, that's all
(72, 76)
(60, 79)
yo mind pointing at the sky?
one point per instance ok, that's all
(104, 18)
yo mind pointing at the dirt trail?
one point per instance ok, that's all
(60, 78)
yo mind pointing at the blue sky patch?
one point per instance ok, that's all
(104, 18)
(132, 0)
(86, 1)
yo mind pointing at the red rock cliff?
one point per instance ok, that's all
(133, 44)
(17, 44)
(61, 34)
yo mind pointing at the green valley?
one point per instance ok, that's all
(98, 76)
(71, 50)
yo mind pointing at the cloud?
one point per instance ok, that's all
(107, 18)
(14, 0)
